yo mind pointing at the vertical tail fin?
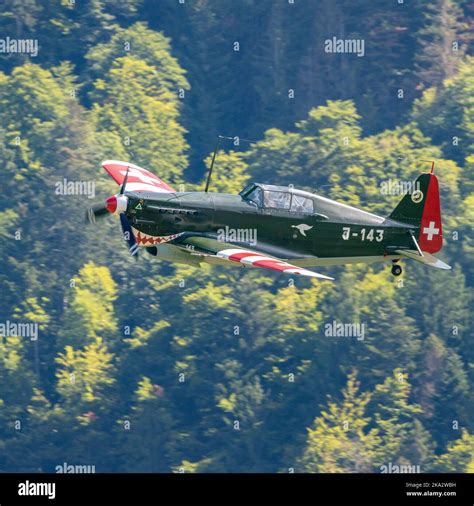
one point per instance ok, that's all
(421, 208)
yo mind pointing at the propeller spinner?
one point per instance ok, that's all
(116, 204)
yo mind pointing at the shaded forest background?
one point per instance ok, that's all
(147, 366)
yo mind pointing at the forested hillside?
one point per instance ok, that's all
(153, 367)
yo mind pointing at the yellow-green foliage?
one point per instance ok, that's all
(31, 101)
(136, 104)
(10, 352)
(143, 44)
(340, 440)
(144, 391)
(91, 312)
(212, 368)
(212, 296)
(299, 309)
(448, 111)
(84, 375)
(459, 457)
(229, 173)
(132, 109)
(33, 310)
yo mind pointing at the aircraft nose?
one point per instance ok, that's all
(111, 204)
(116, 204)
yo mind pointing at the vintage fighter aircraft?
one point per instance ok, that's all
(274, 227)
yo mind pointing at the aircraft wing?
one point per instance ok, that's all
(426, 258)
(248, 258)
(139, 179)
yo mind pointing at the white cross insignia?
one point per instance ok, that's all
(431, 230)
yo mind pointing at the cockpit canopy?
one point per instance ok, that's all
(278, 197)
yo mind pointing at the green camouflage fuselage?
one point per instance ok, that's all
(333, 231)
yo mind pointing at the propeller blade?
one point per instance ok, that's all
(128, 235)
(114, 204)
(122, 188)
(96, 211)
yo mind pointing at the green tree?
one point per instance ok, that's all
(404, 440)
(229, 173)
(149, 435)
(138, 119)
(445, 114)
(84, 380)
(340, 439)
(459, 457)
(441, 40)
(90, 313)
(442, 389)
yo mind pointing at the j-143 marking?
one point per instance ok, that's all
(366, 234)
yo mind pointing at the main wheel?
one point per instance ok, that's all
(396, 269)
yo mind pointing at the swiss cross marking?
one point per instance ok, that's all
(431, 230)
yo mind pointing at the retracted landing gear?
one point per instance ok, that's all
(396, 269)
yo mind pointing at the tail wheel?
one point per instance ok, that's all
(396, 269)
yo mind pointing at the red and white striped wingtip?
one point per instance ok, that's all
(139, 179)
(255, 259)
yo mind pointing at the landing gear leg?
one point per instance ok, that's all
(396, 269)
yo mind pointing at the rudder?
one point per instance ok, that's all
(422, 208)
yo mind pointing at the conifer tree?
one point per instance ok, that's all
(341, 439)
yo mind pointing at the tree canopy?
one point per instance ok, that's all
(146, 366)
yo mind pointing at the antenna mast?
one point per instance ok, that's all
(219, 137)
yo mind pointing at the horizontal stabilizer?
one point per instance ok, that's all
(427, 258)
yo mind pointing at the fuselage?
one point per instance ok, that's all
(326, 232)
